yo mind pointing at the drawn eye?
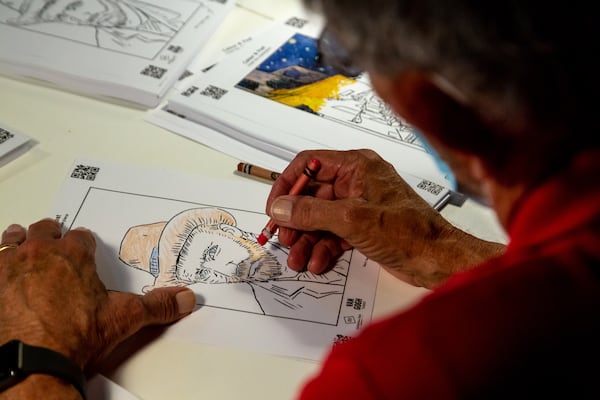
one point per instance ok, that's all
(202, 274)
(73, 6)
(211, 253)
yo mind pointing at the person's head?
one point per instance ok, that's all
(204, 245)
(511, 82)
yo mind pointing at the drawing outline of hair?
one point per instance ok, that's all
(113, 23)
(204, 246)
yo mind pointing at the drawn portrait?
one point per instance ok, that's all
(205, 249)
(132, 26)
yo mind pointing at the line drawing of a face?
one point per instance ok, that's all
(199, 246)
(86, 12)
(204, 246)
(99, 13)
(134, 26)
(218, 255)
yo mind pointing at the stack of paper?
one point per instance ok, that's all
(274, 97)
(128, 50)
(12, 144)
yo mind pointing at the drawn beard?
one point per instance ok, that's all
(259, 266)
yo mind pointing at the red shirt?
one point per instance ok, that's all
(521, 326)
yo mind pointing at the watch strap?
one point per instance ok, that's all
(26, 360)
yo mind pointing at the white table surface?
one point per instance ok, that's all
(65, 126)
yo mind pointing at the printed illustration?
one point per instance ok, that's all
(295, 75)
(204, 246)
(136, 27)
(155, 228)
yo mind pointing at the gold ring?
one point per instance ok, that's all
(8, 246)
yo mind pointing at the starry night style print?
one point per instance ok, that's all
(301, 51)
(294, 75)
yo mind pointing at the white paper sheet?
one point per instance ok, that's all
(12, 143)
(131, 51)
(100, 387)
(237, 98)
(151, 229)
(214, 139)
(162, 117)
(227, 140)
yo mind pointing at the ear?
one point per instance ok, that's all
(233, 230)
(437, 109)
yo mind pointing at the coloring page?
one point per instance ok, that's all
(131, 50)
(154, 229)
(278, 94)
(12, 144)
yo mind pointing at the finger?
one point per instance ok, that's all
(330, 163)
(288, 178)
(44, 229)
(165, 305)
(80, 239)
(288, 236)
(315, 252)
(127, 313)
(13, 234)
(324, 255)
(306, 213)
(300, 252)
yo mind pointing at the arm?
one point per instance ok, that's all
(51, 296)
(359, 201)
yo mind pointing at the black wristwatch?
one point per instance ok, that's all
(18, 360)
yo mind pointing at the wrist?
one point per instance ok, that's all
(19, 361)
(42, 386)
(461, 251)
(34, 334)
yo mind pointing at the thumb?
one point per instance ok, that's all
(167, 304)
(129, 312)
(308, 213)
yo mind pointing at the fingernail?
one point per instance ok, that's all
(14, 228)
(186, 301)
(281, 210)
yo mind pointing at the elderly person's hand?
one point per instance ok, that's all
(358, 200)
(51, 296)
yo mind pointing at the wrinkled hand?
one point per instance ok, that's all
(358, 200)
(51, 296)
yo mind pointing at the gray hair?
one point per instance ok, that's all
(510, 59)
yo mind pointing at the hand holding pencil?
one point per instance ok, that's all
(358, 200)
(310, 171)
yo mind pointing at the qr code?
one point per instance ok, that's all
(85, 172)
(154, 72)
(189, 91)
(175, 49)
(430, 187)
(296, 22)
(5, 135)
(214, 92)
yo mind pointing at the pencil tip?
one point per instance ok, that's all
(262, 239)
